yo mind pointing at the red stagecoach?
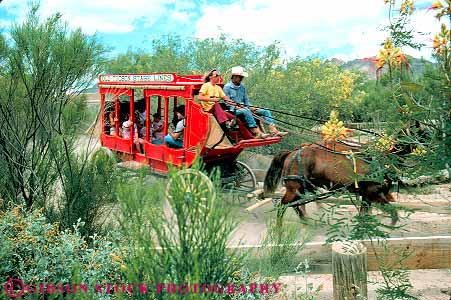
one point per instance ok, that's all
(122, 94)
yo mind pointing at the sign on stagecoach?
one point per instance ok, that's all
(137, 78)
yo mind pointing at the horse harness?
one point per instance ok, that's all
(300, 177)
(350, 155)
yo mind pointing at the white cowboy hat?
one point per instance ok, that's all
(238, 70)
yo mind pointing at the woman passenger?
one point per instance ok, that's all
(209, 96)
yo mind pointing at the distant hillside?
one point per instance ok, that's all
(92, 90)
(365, 66)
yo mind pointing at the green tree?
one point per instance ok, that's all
(43, 66)
(312, 86)
(189, 56)
(424, 105)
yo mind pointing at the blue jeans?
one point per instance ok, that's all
(171, 143)
(246, 113)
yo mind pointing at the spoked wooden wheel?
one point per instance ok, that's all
(195, 188)
(243, 181)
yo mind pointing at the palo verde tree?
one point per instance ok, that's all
(43, 65)
(424, 105)
(186, 56)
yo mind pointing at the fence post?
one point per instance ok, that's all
(349, 267)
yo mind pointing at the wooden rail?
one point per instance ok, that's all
(430, 252)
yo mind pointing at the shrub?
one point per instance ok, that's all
(183, 242)
(88, 192)
(37, 252)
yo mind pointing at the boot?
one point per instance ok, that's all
(273, 130)
(258, 134)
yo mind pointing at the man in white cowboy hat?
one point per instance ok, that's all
(236, 91)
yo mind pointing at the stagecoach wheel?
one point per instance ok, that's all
(276, 202)
(245, 181)
(193, 184)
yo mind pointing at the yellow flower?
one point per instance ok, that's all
(116, 258)
(419, 151)
(334, 129)
(96, 265)
(236, 274)
(407, 6)
(437, 43)
(436, 5)
(385, 144)
(391, 55)
(380, 63)
(16, 212)
(441, 40)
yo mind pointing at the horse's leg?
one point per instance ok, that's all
(296, 189)
(387, 198)
(393, 214)
(365, 206)
(384, 199)
(291, 195)
(301, 211)
(281, 209)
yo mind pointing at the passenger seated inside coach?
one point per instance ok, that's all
(156, 130)
(110, 123)
(138, 122)
(174, 139)
(127, 123)
(141, 109)
(126, 133)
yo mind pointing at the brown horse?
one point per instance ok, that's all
(314, 165)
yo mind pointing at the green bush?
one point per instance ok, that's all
(183, 241)
(87, 193)
(37, 252)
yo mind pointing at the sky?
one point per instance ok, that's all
(343, 29)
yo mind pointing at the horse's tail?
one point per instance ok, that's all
(274, 173)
